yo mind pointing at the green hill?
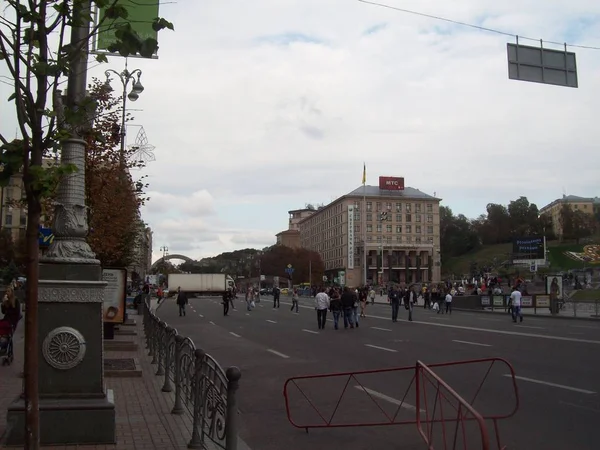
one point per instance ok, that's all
(496, 255)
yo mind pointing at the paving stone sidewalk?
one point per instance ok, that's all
(143, 412)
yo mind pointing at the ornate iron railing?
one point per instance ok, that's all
(202, 388)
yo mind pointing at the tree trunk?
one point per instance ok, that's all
(32, 420)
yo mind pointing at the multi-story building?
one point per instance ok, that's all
(398, 227)
(291, 236)
(142, 261)
(585, 204)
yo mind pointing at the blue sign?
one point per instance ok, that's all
(45, 237)
(289, 269)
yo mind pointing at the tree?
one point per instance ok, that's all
(112, 197)
(7, 248)
(37, 65)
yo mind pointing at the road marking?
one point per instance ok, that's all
(212, 323)
(587, 408)
(387, 398)
(381, 329)
(441, 318)
(271, 321)
(471, 343)
(547, 383)
(200, 315)
(275, 352)
(382, 348)
(487, 318)
(484, 330)
(262, 306)
(234, 334)
(528, 326)
(247, 314)
(310, 331)
(584, 326)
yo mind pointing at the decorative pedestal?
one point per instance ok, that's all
(74, 407)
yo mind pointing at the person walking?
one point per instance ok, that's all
(276, 294)
(335, 306)
(226, 297)
(363, 296)
(182, 300)
(394, 296)
(321, 305)
(515, 298)
(409, 301)
(372, 296)
(347, 306)
(448, 302)
(295, 299)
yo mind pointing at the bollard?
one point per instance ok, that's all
(197, 400)
(178, 407)
(169, 339)
(160, 342)
(231, 420)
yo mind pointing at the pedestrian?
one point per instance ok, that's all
(448, 301)
(276, 294)
(226, 296)
(159, 294)
(363, 296)
(182, 300)
(515, 298)
(355, 307)
(372, 296)
(295, 299)
(395, 302)
(409, 301)
(335, 306)
(321, 305)
(347, 306)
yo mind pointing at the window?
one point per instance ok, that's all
(389, 239)
(8, 193)
(369, 228)
(430, 239)
(398, 207)
(357, 262)
(369, 206)
(369, 238)
(369, 217)
(356, 204)
(429, 208)
(429, 218)
(408, 218)
(379, 228)
(430, 230)
(356, 216)
(23, 220)
(378, 238)
(418, 229)
(8, 219)
(398, 238)
(418, 218)
(357, 228)
(409, 239)
(418, 239)
(408, 229)
(388, 228)
(417, 208)
(388, 206)
(584, 206)
(398, 228)
(378, 206)
(407, 207)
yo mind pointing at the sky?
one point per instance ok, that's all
(257, 108)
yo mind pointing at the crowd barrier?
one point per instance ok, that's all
(202, 388)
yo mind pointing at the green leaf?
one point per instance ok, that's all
(160, 24)
(149, 47)
(116, 12)
(11, 97)
(101, 58)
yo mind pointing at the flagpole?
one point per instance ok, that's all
(364, 225)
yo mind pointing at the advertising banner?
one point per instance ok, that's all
(141, 14)
(350, 237)
(542, 301)
(45, 237)
(485, 300)
(114, 295)
(528, 248)
(498, 300)
(554, 286)
(526, 302)
(391, 183)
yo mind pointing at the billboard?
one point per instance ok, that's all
(528, 248)
(350, 237)
(141, 15)
(391, 183)
(114, 295)
(554, 287)
(45, 237)
(542, 65)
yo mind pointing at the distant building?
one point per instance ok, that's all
(142, 261)
(398, 227)
(585, 204)
(291, 236)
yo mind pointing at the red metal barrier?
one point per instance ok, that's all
(432, 413)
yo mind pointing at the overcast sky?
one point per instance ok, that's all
(256, 108)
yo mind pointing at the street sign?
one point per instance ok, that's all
(289, 270)
(542, 65)
(533, 268)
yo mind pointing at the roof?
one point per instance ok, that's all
(301, 210)
(570, 199)
(288, 232)
(374, 191)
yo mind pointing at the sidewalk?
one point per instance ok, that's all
(143, 413)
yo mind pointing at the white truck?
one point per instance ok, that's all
(201, 283)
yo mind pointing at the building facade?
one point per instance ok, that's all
(288, 238)
(396, 230)
(142, 260)
(291, 236)
(585, 204)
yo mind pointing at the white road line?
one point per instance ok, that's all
(247, 314)
(200, 315)
(587, 408)
(382, 348)
(528, 326)
(490, 319)
(381, 329)
(310, 331)
(233, 334)
(212, 323)
(584, 326)
(275, 352)
(271, 321)
(441, 318)
(484, 330)
(547, 383)
(261, 306)
(387, 398)
(471, 343)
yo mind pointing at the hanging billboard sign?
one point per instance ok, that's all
(542, 65)
(141, 15)
(391, 183)
(350, 237)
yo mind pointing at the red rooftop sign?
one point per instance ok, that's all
(391, 183)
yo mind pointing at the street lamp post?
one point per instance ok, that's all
(165, 250)
(136, 89)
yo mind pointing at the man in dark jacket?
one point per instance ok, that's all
(348, 300)
(395, 302)
(182, 300)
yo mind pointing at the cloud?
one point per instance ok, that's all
(259, 112)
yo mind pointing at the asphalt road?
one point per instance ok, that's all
(556, 363)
